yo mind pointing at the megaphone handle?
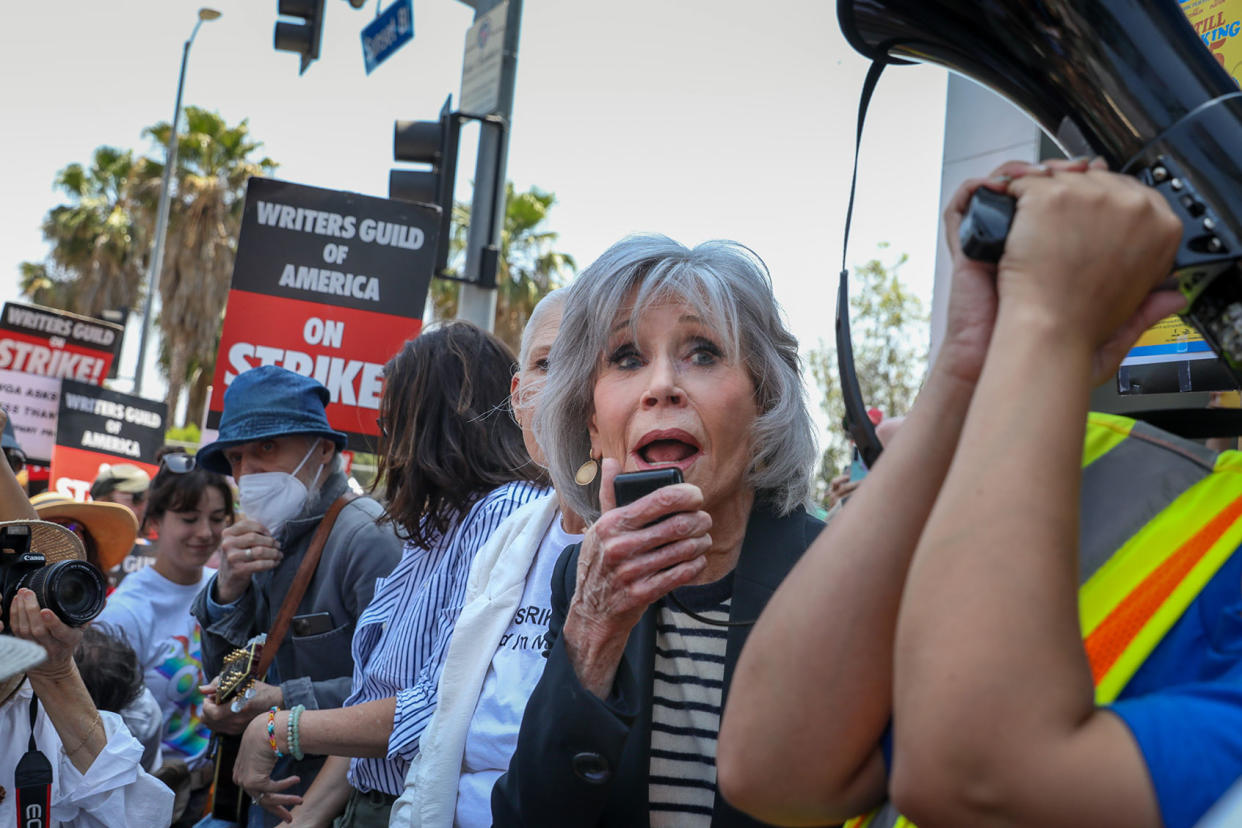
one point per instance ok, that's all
(985, 226)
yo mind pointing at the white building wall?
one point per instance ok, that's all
(981, 131)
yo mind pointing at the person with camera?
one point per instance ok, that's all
(1050, 621)
(276, 442)
(86, 764)
(669, 359)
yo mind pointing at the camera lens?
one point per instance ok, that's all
(74, 590)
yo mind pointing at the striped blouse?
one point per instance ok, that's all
(404, 633)
(685, 716)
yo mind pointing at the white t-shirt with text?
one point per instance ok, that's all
(515, 670)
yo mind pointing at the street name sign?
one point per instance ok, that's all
(387, 33)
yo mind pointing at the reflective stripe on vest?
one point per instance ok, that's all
(1160, 516)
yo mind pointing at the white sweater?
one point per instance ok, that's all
(493, 593)
(114, 791)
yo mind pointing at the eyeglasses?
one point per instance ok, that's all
(16, 458)
(178, 462)
(382, 424)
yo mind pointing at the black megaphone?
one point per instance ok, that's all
(1128, 80)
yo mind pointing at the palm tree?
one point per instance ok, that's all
(529, 266)
(98, 239)
(214, 162)
(44, 285)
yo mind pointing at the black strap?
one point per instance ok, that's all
(703, 619)
(34, 717)
(33, 780)
(864, 100)
(856, 420)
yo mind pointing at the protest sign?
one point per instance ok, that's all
(31, 401)
(56, 343)
(1219, 24)
(328, 284)
(95, 427)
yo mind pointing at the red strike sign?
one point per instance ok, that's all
(19, 352)
(330, 285)
(343, 348)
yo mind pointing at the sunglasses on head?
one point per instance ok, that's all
(178, 462)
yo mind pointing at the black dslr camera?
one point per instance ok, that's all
(74, 590)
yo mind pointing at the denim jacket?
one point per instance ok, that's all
(313, 670)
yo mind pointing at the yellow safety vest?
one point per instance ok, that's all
(1160, 516)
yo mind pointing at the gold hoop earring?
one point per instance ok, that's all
(586, 472)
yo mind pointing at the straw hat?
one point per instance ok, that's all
(56, 543)
(111, 526)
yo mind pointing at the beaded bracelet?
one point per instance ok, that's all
(295, 738)
(271, 732)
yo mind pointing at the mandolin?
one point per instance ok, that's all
(237, 675)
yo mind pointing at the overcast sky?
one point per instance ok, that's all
(698, 119)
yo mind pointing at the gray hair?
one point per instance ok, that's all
(731, 289)
(551, 301)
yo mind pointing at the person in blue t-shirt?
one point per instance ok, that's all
(944, 599)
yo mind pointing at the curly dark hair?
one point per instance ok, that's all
(449, 436)
(109, 668)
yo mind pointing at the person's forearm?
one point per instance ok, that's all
(815, 677)
(989, 662)
(69, 707)
(325, 799)
(361, 730)
(594, 655)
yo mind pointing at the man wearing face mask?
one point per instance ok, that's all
(276, 442)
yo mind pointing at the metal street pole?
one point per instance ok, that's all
(161, 216)
(474, 303)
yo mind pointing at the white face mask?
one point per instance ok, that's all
(273, 498)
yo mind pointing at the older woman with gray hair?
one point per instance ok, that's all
(667, 357)
(496, 655)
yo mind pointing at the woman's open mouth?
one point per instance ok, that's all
(672, 447)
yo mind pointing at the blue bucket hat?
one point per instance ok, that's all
(268, 402)
(9, 437)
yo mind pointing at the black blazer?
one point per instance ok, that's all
(583, 761)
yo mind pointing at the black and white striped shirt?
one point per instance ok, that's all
(686, 696)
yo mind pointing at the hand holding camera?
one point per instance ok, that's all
(42, 626)
(47, 561)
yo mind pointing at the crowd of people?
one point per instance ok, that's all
(1023, 615)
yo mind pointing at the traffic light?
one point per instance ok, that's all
(433, 143)
(303, 37)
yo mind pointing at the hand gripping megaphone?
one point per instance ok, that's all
(1127, 80)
